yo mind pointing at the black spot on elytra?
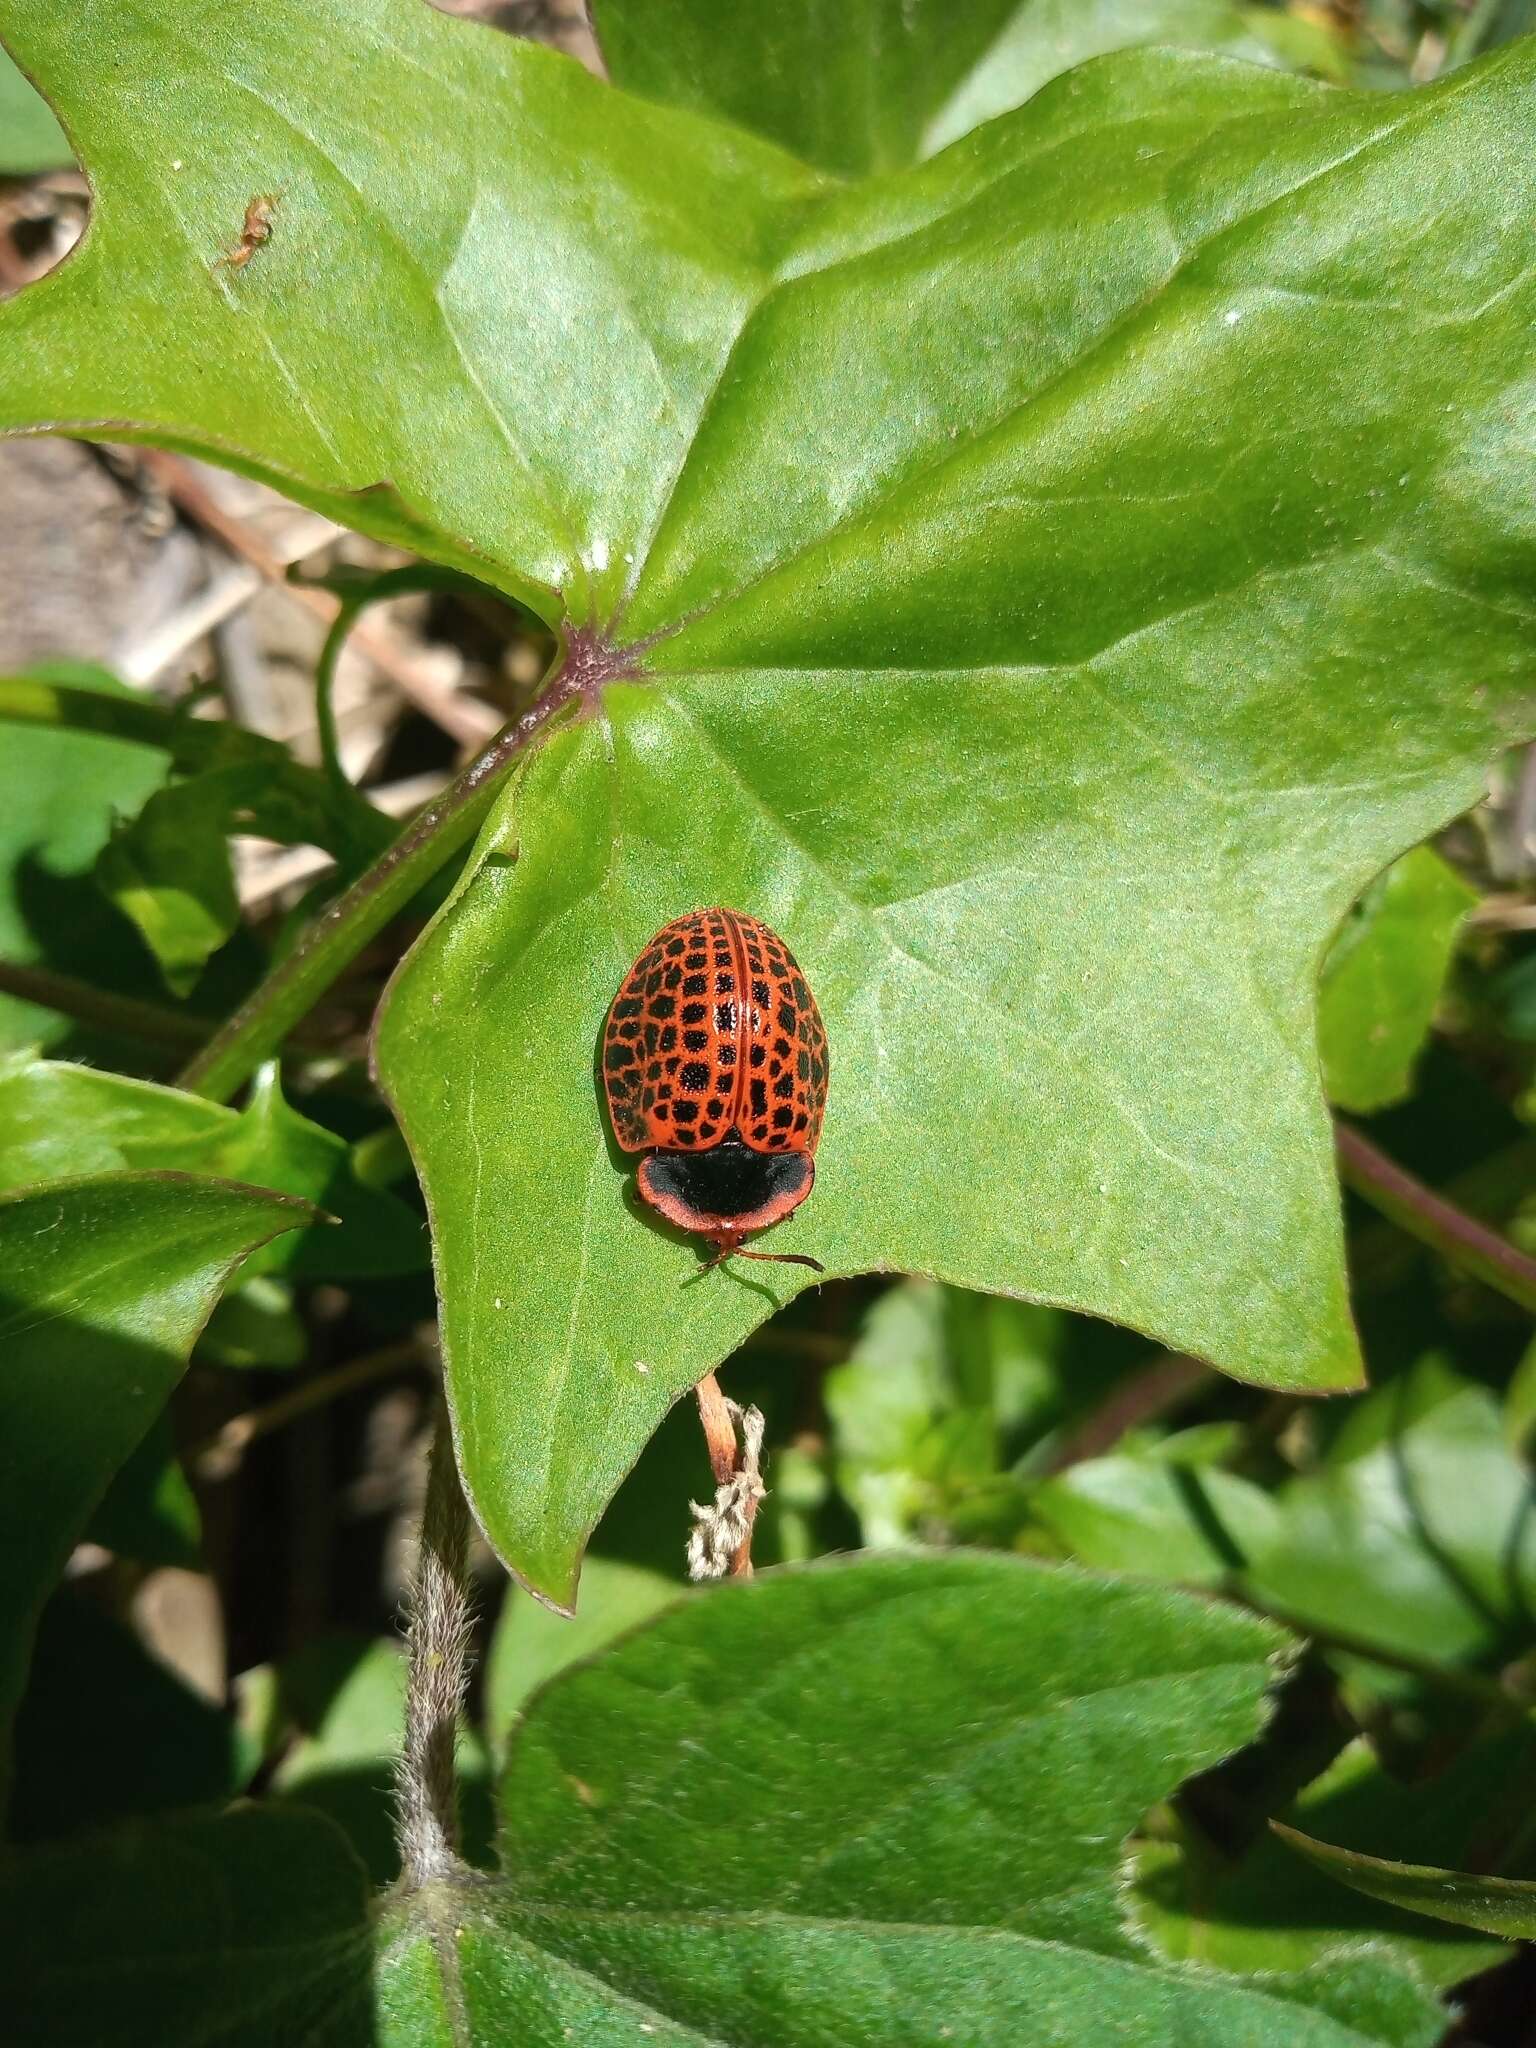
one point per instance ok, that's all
(758, 1096)
(616, 1057)
(784, 1087)
(668, 1039)
(662, 1006)
(725, 983)
(725, 1016)
(714, 1108)
(694, 1013)
(696, 960)
(695, 1041)
(757, 1055)
(694, 1077)
(783, 1118)
(627, 1006)
(685, 1112)
(725, 1055)
(676, 946)
(696, 985)
(760, 994)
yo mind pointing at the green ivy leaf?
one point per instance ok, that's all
(63, 789)
(230, 1931)
(272, 1145)
(880, 84)
(1259, 1909)
(106, 1284)
(30, 138)
(940, 1393)
(1416, 1533)
(918, 1771)
(1051, 615)
(1498, 1905)
(1383, 977)
(531, 1645)
(57, 1119)
(149, 1512)
(1157, 1518)
(256, 1327)
(170, 870)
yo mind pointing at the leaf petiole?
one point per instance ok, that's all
(335, 938)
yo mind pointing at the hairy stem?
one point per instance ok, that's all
(1417, 1209)
(124, 1016)
(437, 1668)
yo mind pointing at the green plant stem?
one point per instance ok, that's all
(1464, 41)
(32, 700)
(354, 601)
(219, 1455)
(192, 743)
(1380, 1254)
(1160, 1387)
(1417, 1209)
(124, 1016)
(1486, 1694)
(339, 933)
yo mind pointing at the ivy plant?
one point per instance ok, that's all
(1032, 502)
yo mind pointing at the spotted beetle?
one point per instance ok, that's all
(715, 1066)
